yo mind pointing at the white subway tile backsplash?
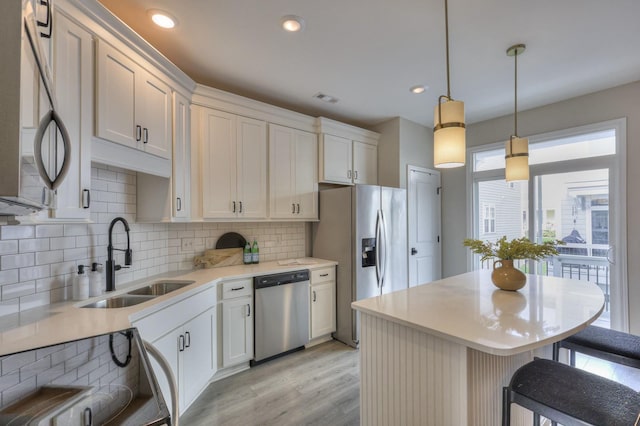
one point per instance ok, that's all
(13, 261)
(14, 291)
(33, 245)
(9, 277)
(49, 254)
(8, 247)
(15, 232)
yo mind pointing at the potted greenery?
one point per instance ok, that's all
(505, 276)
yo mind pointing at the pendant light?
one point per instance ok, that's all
(517, 148)
(448, 122)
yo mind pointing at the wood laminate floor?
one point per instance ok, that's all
(317, 386)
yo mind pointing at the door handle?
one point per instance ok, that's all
(234, 207)
(138, 133)
(145, 135)
(248, 309)
(298, 211)
(349, 174)
(181, 343)
(293, 208)
(377, 260)
(383, 268)
(314, 295)
(188, 338)
(413, 251)
(179, 202)
(86, 198)
(355, 175)
(240, 211)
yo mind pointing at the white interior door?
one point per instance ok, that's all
(423, 192)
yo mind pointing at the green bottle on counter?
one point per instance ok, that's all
(246, 253)
(255, 252)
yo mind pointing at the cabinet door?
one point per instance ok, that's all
(181, 157)
(323, 309)
(116, 81)
(153, 114)
(218, 165)
(73, 75)
(281, 172)
(168, 346)
(199, 361)
(237, 334)
(252, 168)
(365, 163)
(306, 180)
(336, 159)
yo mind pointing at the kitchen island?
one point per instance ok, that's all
(440, 353)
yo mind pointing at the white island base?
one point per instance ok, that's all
(409, 377)
(439, 354)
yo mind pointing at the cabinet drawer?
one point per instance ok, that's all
(323, 275)
(237, 288)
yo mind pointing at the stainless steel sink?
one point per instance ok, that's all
(159, 288)
(122, 301)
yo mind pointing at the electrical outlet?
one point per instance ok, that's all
(187, 244)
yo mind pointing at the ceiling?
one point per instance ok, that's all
(368, 53)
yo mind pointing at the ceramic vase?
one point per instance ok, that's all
(506, 277)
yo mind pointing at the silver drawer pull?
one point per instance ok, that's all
(237, 288)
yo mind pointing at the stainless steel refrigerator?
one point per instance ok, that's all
(364, 229)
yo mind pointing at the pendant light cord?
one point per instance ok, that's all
(515, 113)
(446, 32)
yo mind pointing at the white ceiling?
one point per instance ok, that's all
(367, 53)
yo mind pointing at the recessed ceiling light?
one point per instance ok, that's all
(162, 18)
(326, 98)
(418, 89)
(292, 23)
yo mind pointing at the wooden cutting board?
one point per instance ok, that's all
(219, 257)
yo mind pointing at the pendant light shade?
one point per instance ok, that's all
(449, 134)
(517, 148)
(517, 159)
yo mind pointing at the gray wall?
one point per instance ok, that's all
(622, 101)
(402, 142)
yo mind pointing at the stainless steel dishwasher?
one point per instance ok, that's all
(281, 303)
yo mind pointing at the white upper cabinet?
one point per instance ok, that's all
(365, 163)
(348, 155)
(181, 157)
(73, 79)
(133, 107)
(337, 162)
(233, 166)
(293, 180)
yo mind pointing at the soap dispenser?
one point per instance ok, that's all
(95, 280)
(81, 285)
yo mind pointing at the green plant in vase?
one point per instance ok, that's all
(505, 276)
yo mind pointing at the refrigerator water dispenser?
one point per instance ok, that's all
(368, 252)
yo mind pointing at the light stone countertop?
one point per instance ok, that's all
(66, 321)
(470, 310)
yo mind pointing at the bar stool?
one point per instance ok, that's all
(610, 345)
(569, 396)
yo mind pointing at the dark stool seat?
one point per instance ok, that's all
(611, 345)
(569, 396)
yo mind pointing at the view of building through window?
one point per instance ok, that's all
(570, 202)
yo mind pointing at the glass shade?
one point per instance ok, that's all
(449, 135)
(517, 159)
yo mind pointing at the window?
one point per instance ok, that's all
(489, 218)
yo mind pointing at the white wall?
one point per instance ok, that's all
(402, 142)
(622, 101)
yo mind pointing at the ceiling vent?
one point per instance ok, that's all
(326, 98)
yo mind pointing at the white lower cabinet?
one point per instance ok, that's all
(323, 302)
(237, 322)
(185, 334)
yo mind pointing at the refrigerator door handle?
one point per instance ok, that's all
(384, 245)
(378, 249)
